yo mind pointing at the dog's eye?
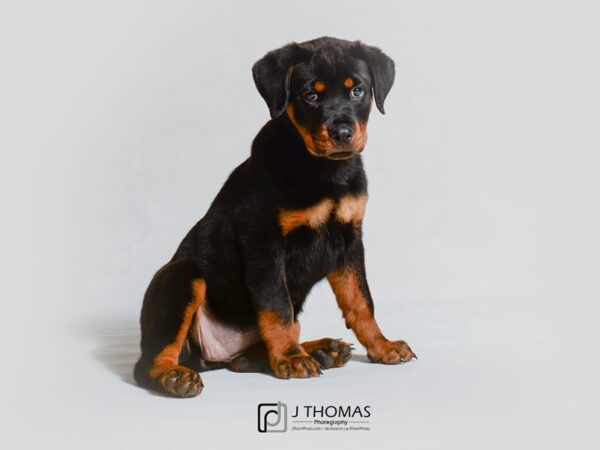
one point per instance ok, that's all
(357, 92)
(310, 97)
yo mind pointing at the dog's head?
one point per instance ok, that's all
(326, 87)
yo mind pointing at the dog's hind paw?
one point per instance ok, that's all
(329, 352)
(181, 382)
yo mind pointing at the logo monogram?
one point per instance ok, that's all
(272, 417)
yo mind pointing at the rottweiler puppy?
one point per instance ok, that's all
(289, 216)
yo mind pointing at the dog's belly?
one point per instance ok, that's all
(220, 342)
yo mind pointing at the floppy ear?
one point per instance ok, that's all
(382, 71)
(272, 76)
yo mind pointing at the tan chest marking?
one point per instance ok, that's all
(313, 216)
(349, 209)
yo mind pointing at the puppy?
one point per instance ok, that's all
(287, 217)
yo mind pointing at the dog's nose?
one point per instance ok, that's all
(341, 133)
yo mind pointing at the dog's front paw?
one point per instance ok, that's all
(391, 352)
(296, 366)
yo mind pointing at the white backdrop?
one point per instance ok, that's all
(120, 121)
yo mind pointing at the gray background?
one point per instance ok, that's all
(120, 121)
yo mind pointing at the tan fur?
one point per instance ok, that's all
(346, 286)
(278, 335)
(311, 346)
(287, 358)
(351, 209)
(304, 132)
(313, 216)
(358, 316)
(319, 143)
(169, 356)
(319, 86)
(348, 83)
(360, 135)
(323, 141)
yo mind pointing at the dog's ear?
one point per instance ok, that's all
(382, 71)
(272, 76)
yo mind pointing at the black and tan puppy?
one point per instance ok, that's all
(287, 217)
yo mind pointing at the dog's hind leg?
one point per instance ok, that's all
(174, 296)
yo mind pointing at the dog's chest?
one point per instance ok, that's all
(348, 210)
(318, 236)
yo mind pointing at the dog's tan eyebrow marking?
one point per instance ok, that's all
(319, 86)
(348, 82)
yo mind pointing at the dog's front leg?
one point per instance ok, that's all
(265, 279)
(349, 284)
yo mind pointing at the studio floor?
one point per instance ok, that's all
(494, 376)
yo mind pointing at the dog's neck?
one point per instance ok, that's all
(281, 149)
